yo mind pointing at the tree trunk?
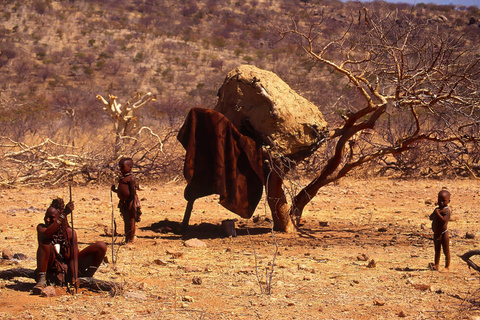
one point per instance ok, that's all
(277, 201)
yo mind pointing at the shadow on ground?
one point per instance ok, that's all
(21, 286)
(200, 231)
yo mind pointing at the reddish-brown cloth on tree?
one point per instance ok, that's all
(220, 160)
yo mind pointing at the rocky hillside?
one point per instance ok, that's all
(55, 56)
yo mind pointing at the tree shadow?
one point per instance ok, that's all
(21, 286)
(200, 231)
(244, 231)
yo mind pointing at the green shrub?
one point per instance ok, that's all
(248, 59)
(238, 52)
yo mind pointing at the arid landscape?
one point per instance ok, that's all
(320, 272)
(398, 86)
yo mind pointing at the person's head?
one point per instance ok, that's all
(126, 165)
(53, 210)
(443, 198)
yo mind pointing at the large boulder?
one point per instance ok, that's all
(264, 107)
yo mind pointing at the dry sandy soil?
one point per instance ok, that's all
(317, 273)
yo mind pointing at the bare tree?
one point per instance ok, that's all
(69, 100)
(411, 82)
(123, 116)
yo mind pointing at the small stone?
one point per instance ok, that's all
(48, 292)
(160, 262)
(187, 299)
(7, 254)
(324, 224)
(469, 235)
(379, 303)
(19, 256)
(362, 257)
(246, 270)
(193, 269)
(371, 264)
(402, 314)
(195, 243)
(174, 254)
(135, 296)
(422, 287)
(382, 229)
(290, 304)
(197, 280)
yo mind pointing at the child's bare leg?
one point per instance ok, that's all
(129, 220)
(446, 249)
(438, 249)
(132, 230)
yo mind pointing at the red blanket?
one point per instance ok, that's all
(220, 160)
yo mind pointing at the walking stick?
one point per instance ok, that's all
(75, 264)
(113, 230)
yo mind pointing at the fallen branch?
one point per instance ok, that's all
(90, 283)
(466, 257)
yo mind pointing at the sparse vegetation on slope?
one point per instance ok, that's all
(56, 56)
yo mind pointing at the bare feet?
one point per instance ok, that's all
(433, 267)
(446, 270)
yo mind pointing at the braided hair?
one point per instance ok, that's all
(58, 204)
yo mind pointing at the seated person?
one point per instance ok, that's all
(58, 259)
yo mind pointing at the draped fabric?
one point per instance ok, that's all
(220, 160)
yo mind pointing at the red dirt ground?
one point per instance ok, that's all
(318, 272)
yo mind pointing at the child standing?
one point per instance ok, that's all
(129, 204)
(441, 238)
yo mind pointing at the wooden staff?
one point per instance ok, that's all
(75, 264)
(113, 230)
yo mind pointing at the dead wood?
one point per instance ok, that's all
(124, 116)
(466, 257)
(17, 272)
(88, 283)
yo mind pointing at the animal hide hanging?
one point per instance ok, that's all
(220, 160)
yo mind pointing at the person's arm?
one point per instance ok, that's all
(69, 208)
(46, 233)
(443, 215)
(131, 189)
